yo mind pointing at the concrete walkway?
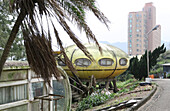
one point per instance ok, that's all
(160, 101)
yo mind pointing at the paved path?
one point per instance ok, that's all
(160, 101)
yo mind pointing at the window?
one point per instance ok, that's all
(137, 15)
(137, 35)
(83, 62)
(13, 93)
(37, 88)
(137, 25)
(130, 41)
(137, 45)
(106, 62)
(130, 45)
(138, 20)
(150, 16)
(145, 21)
(137, 40)
(130, 30)
(59, 89)
(130, 25)
(137, 30)
(137, 50)
(145, 31)
(130, 35)
(130, 21)
(130, 16)
(123, 61)
(61, 62)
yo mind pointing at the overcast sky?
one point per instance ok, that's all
(117, 12)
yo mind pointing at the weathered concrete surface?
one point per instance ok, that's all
(160, 101)
(13, 74)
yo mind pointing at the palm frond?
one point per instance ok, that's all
(38, 40)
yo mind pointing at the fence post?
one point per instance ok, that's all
(30, 95)
(50, 91)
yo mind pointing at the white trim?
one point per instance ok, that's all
(167, 64)
(13, 83)
(36, 80)
(13, 104)
(61, 78)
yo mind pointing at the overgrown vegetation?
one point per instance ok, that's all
(168, 75)
(138, 67)
(95, 99)
(100, 96)
(125, 76)
(164, 58)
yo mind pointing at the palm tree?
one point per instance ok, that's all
(32, 14)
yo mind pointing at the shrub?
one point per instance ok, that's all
(168, 75)
(92, 100)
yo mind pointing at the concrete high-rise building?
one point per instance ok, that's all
(139, 24)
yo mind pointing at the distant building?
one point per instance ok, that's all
(166, 68)
(139, 24)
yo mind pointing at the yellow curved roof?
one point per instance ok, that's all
(93, 49)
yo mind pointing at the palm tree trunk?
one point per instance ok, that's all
(11, 39)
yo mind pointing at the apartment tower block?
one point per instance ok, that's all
(139, 24)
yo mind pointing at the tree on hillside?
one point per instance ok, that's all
(32, 14)
(134, 67)
(17, 51)
(5, 23)
(155, 54)
(139, 67)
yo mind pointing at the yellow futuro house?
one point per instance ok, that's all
(111, 63)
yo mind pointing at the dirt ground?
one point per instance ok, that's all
(139, 92)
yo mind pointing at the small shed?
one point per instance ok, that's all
(166, 68)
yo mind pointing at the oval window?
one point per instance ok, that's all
(83, 62)
(106, 62)
(123, 61)
(61, 62)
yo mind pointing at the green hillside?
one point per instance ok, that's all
(164, 58)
